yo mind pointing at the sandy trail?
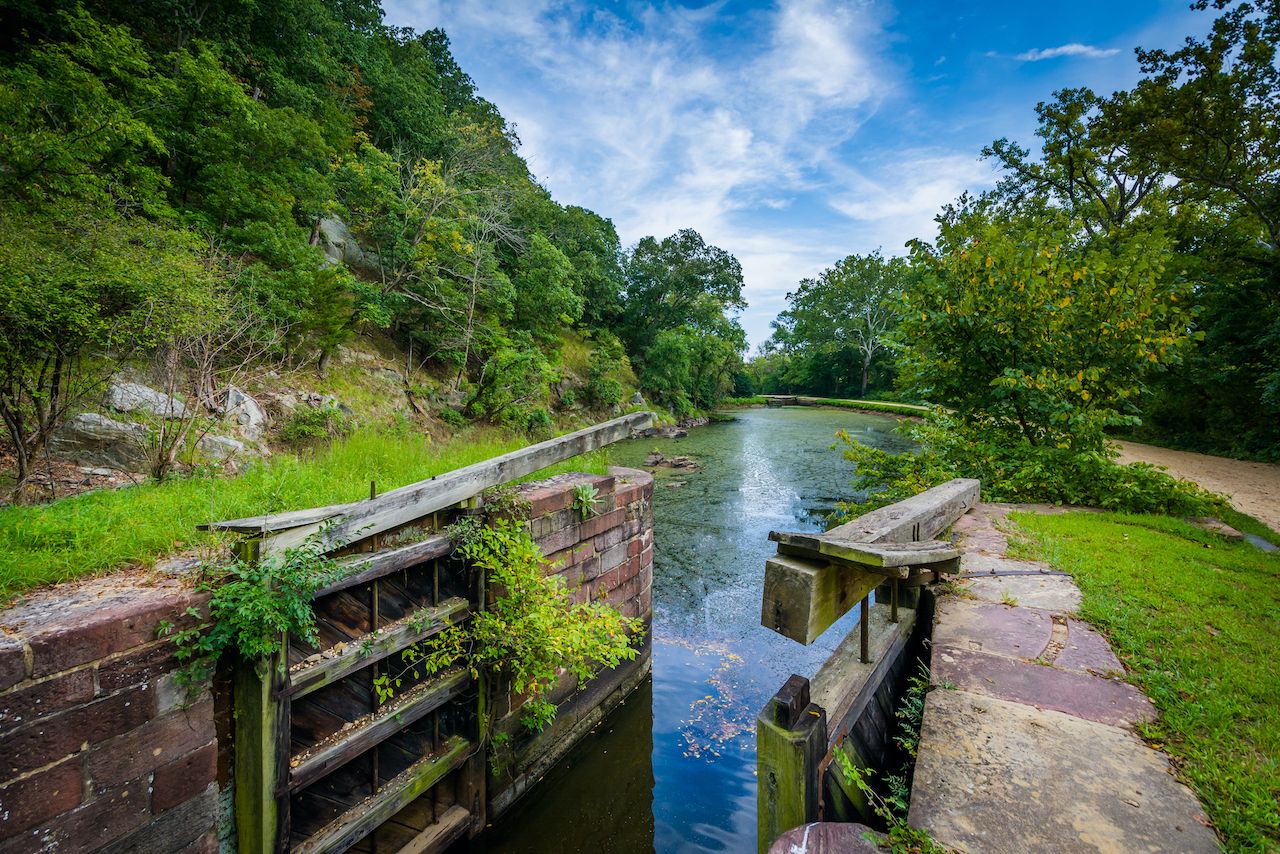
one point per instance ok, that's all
(1254, 488)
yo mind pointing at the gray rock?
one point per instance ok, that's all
(135, 397)
(393, 377)
(222, 448)
(95, 441)
(637, 399)
(340, 246)
(243, 411)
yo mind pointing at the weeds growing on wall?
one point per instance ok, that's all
(1015, 471)
(532, 630)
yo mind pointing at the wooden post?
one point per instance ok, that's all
(261, 716)
(791, 740)
(864, 631)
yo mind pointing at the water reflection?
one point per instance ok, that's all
(714, 665)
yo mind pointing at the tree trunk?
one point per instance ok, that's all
(866, 373)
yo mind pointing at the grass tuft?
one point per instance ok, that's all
(102, 531)
(1193, 617)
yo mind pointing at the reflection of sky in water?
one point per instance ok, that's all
(714, 665)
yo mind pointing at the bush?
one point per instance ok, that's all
(308, 425)
(1016, 472)
(452, 417)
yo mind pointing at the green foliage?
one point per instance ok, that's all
(585, 500)
(253, 605)
(1191, 615)
(309, 425)
(533, 630)
(900, 837)
(1038, 336)
(603, 389)
(452, 417)
(1015, 471)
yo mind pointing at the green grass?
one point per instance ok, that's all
(1194, 618)
(106, 530)
(756, 400)
(871, 405)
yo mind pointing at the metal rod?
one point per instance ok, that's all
(864, 631)
(893, 602)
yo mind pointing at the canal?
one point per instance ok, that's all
(673, 770)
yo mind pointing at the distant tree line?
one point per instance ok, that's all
(166, 165)
(1124, 277)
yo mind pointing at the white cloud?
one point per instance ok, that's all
(1073, 49)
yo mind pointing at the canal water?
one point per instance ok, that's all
(673, 770)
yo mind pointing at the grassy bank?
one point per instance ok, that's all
(1193, 617)
(101, 531)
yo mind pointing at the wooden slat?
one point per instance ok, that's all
(802, 598)
(316, 762)
(416, 500)
(276, 521)
(894, 558)
(362, 568)
(439, 836)
(920, 517)
(364, 818)
(376, 646)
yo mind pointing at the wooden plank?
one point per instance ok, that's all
(387, 721)
(362, 568)
(843, 685)
(270, 522)
(376, 646)
(399, 506)
(886, 556)
(261, 727)
(802, 597)
(365, 817)
(921, 517)
(448, 829)
(791, 739)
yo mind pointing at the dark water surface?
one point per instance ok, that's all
(673, 770)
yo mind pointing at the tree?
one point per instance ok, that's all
(839, 322)
(1034, 335)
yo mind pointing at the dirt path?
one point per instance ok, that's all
(1254, 488)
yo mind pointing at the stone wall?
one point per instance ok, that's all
(608, 556)
(100, 748)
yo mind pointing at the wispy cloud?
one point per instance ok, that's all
(1074, 49)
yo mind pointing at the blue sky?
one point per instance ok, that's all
(789, 133)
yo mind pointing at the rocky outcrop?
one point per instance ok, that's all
(223, 448)
(135, 397)
(93, 440)
(245, 413)
(340, 247)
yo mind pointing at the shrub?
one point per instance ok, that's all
(452, 417)
(1015, 472)
(308, 425)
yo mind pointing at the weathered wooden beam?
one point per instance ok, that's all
(362, 819)
(261, 727)
(921, 517)
(791, 739)
(359, 569)
(803, 597)
(843, 685)
(447, 829)
(399, 506)
(376, 646)
(886, 556)
(271, 522)
(313, 764)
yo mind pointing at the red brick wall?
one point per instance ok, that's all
(100, 748)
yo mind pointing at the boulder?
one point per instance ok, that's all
(223, 448)
(637, 399)
(135, 397)
(95, 441)
(243, 411)
(340, 247)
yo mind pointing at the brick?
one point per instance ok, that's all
(89, 827)
(634, 547)
(184, 778)
(114, 627)
(646, 557)
(151, 745)
(40, 797)
(646, 601)
(612, 557)
(137, 667)
(13, 662)
(46, 698)
(631, 528)
(559, 541)
(548, 499)
(589, 568)
(611, 580)
(608, 539)
(630, 609)
(51, 738)
(599, 524)
(629, 494)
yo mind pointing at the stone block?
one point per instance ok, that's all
(634, 547)
(589, 568)
(89, 827)
(598, 525)
(13, 661)
(49, 739)
(46, 698)
(559, 541)
(40, 797)
(137, 667)
(612, 557)
(151, 745)
(184, 778)
(608, 539)
(115, 625)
